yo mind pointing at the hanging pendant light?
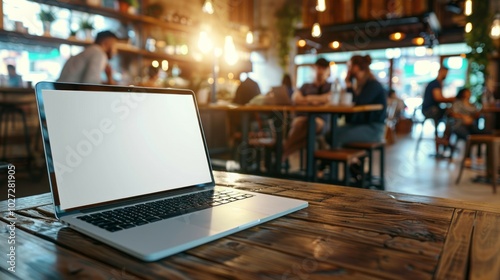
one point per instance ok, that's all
(320, 6)
(249, 37)
(230, 53)
(316, 30)
(468, 27)
(208, 7)
(468, 8)
(495, 28)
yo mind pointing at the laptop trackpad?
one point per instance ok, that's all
(222, 218)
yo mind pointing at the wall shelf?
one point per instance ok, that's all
(108, 12)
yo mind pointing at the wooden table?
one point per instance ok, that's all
(494, 110)
(312, 111)
(345, 232)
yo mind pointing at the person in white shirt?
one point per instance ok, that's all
(87, 66)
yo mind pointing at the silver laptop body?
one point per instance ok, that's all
(111, 148)
(281, 96)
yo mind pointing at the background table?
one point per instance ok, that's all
(279, 111)
(345, 233)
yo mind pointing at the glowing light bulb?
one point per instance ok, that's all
(495, 28)
(468, 27)
(468, 8)
(316, 30)
(208, 7)
(249, 38)
(320, 6)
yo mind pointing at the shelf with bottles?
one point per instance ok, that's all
(30, 39)
(182, 24)
(122, 48)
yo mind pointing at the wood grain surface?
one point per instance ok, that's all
(345, 233)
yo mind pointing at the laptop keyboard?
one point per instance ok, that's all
(150, 212)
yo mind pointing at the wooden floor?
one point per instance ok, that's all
(407, 171)
(415, 172)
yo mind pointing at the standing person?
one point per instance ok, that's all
(310, 94)
(87, 66)
(366, 126)
(15, 80)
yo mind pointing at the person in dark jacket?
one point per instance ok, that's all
(364, 126)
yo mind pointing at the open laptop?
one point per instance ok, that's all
(129, 166)
(281, 96)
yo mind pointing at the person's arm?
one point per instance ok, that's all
(321, 99)
(109, 75)
(437, 93)
(348, 82)
(298, 98)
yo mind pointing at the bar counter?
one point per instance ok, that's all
(345, 233)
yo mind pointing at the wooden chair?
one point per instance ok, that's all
(370, 148)
(390, 123)
(343, 156)
(492, 156)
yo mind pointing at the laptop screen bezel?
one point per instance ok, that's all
(41, 86)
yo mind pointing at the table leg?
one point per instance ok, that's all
(244, 148)
(333, 126)
(311, 135)
(334, 142)
(280, 129)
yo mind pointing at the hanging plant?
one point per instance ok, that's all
(287, 18)
(481, 45)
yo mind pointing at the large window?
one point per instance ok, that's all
(36, 62)
(412, 69)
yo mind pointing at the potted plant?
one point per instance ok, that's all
(125, 5)
(47, 17)
(87, 26)
(72, 34)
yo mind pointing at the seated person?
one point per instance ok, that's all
(247, 90)
(15, 80)
(366, 126)
(153, 78)
(397, 103)
(433, 95)
(312, 94)
(464, 115)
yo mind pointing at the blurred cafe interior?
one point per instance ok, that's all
(215, 47)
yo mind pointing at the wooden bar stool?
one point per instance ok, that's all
(370, 147)
(343, 156)
(9, 111)
(492, 156)
(264, 146)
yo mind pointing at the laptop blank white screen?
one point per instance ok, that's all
(114, 145)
